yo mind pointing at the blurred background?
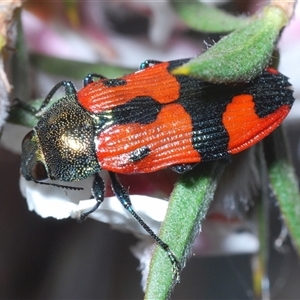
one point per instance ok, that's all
(50, 259)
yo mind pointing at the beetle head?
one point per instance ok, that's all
(61, 146)
(33, 165)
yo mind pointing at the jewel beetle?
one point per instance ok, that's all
(147, 121)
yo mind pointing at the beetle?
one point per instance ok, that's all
(146, 121)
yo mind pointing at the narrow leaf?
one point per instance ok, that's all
(284, 183)
(187, 208)
(207, 18)
(242, 54)
(261, 212)
(75, 69)
(20, 116)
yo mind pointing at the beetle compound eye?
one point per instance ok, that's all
(39, 172)
(27, 137)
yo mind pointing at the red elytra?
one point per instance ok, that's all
(172, 135)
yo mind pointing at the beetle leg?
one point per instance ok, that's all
(182, 168)
(24, 105)
(98, 191)
(146, 64)
(69, 90)
(90, 78)
(122, 195)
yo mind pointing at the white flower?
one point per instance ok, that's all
(51, 201)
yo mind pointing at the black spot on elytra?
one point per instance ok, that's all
(205, 103)
(270, 92)
(142, 109)
(139, 154)
(114, 82)
(173, 64)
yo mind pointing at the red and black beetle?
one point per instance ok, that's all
(146, 121)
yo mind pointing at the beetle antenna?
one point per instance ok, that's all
(74, 188)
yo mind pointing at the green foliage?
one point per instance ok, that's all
(207, 18)
(241, 55)
(285, 184)
(188, 205)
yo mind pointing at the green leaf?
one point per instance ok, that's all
(20, 66)
(21, 116)
(75, 69)
(260, 215)
(207, 18)
(188, 205)
(284, 183)
(242, 54)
